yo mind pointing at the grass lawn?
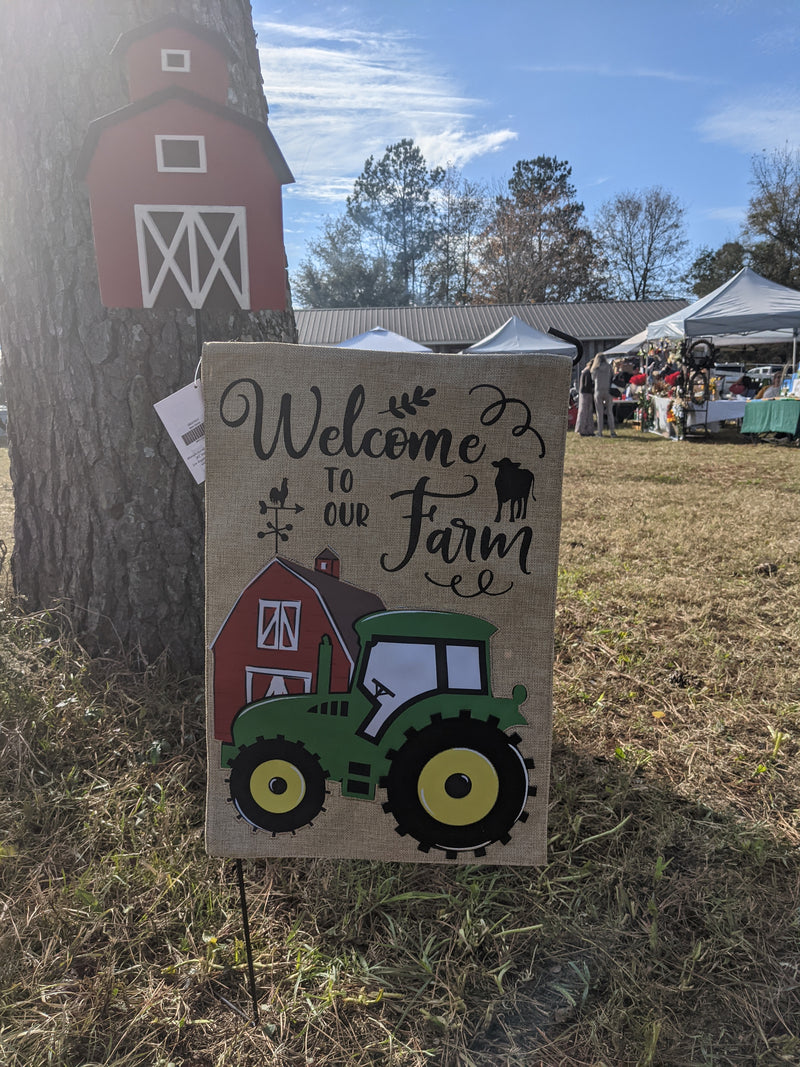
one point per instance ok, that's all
(665, 928)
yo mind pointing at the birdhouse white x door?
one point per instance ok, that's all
(192, 255)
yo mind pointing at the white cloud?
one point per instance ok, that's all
(727, 214)
(755, 124)
(785, 38)
(335, 35)
(459, 147)
(602, 70)
(321, 187)
(593, 183)
(337, 95)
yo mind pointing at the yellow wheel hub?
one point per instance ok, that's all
(277, 786)
(458, 786)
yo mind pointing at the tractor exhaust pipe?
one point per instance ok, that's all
(324, 665)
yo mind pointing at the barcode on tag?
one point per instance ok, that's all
(194, 435)
(182, 415)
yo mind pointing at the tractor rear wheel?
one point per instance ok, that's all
(457, 785)
(277, 785)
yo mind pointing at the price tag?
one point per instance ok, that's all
(183, 416)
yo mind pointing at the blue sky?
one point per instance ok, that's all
(632, 93)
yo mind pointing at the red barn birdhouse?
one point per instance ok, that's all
(185, 191)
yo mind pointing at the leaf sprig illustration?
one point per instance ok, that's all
(408, 402)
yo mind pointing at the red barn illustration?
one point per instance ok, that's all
(185, 191)
(269, 643)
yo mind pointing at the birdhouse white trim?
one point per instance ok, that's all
(181, 153)
(176, 60)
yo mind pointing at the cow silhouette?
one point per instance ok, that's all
(278, 496)
(514, 485)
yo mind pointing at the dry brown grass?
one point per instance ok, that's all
(665, 928)
(6, 506)
(679, 582)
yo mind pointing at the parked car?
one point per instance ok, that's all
(766, 370)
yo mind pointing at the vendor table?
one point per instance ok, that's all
(710, 415)
(780, 415)
(716, 411)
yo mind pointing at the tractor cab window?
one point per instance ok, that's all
(394, 673)
(464, 664)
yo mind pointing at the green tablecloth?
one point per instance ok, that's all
(781, 415)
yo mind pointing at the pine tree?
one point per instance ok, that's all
(392, 204)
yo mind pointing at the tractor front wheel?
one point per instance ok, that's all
(457, 785)
(277, 785)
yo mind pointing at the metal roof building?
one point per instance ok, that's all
(597, 325)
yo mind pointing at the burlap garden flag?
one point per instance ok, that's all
(382, 542)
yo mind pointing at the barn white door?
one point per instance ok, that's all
(263, 682)
(192, 255)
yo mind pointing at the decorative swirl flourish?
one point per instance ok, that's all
(494, 411)
(485, 581)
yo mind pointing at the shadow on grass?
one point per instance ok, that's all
(669, 932)
(660, 931)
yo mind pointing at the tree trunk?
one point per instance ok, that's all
(108, 520)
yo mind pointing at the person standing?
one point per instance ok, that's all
(584, 424)
(601, 377)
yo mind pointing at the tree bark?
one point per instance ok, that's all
(108, 520)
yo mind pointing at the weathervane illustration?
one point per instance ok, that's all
(277, 502)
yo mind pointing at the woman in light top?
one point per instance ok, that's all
(770, 391)
(601, 377)
(585, 422)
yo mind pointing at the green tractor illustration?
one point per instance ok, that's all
(419, 721)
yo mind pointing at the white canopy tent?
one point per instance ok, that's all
(745, 304)
(723, 340)
(380, 340)
(633, 344)
(517, 336)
